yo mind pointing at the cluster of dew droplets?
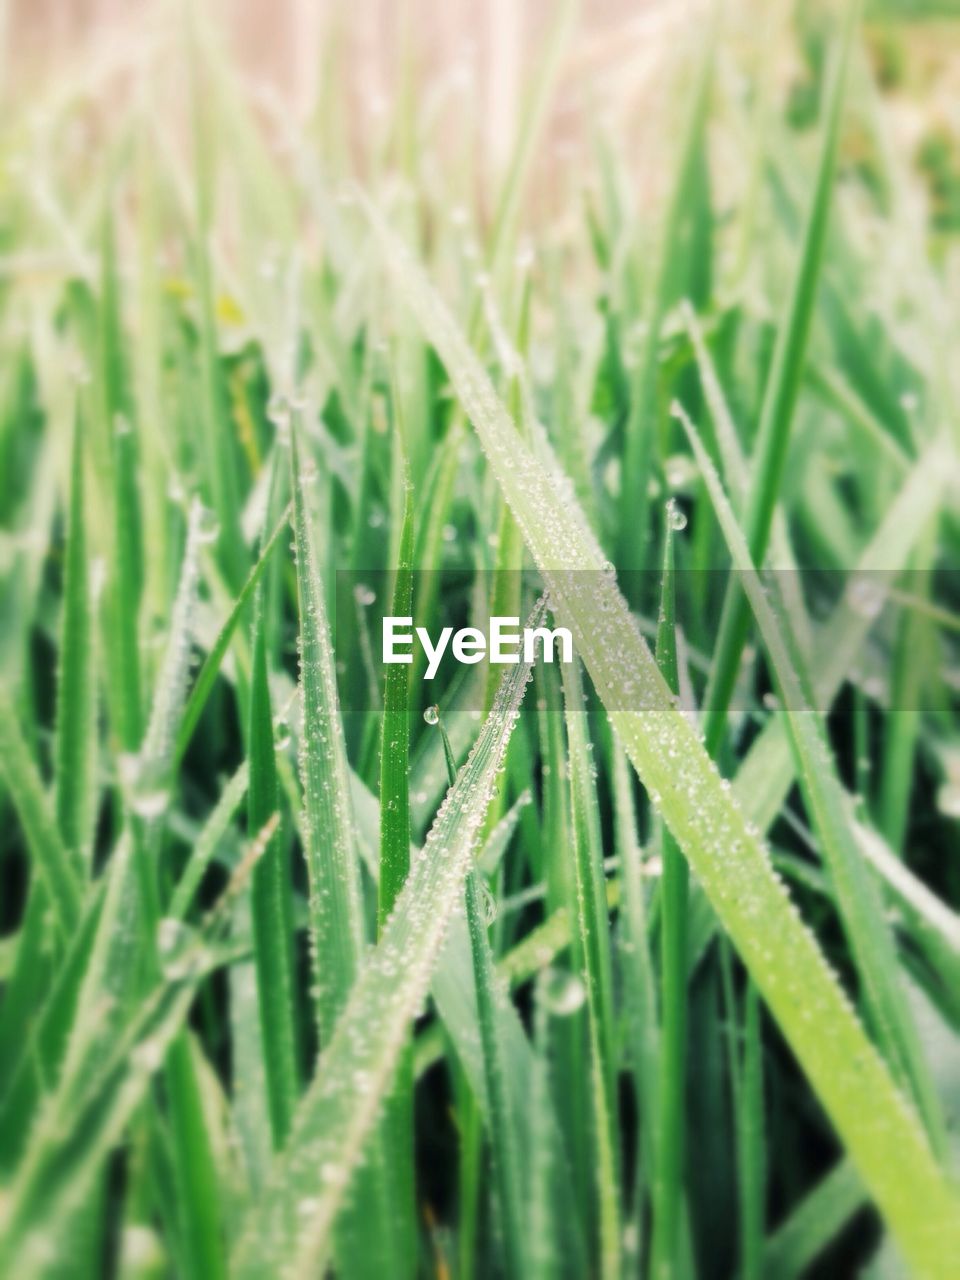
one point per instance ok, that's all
(676, 518)
(866, 594)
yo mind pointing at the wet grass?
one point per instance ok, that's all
(646, 964)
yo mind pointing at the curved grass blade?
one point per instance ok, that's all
(52, 860)
(504, 1130)
(453, 991)
(933, 927)
(764, 777)
(205, 845)
(85, 1118)
(208, 672)
(148, 797)
(860, 903)
(335, 918)
(723, 848)
(820, 1215)
(592, 947)
(271, 913)
(493, 1034)
(779, 400)
(746, 1082)
(37, 1066)
(76, 753)
(288, 1231)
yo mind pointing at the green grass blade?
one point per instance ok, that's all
(398, 1169)
(859, 900)
(149, 795)
(271, 911)
(639, 985)
(668, 1196)
(205, 845)
(932, 927)
(671, 250)
(504, 1129)
(780, 397)
(592, 948)
(208, 672)
(796, 1243)
(76, 749)
(335, 921)
(395, 742)
(52, 860)
(726, 853)
(35, 1067)
(453, 990)
(123, 639)
(83, 1121)
(548, 65)
(764, 777)
(907, 680)
(749, 1123)
(340, 1109)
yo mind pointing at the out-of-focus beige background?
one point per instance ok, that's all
(626, 65)
(473, 61)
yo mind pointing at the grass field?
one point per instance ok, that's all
(646, 964)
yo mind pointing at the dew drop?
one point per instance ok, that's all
(207, 526)
(562, 993)
(148, 804)
(676, 519)
(866, 597)
(432, 715)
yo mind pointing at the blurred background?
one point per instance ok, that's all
(624, 68)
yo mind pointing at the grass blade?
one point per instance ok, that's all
(592, 949)
(124, 592)
(211, 667)
(394, 742)
(780, 397)
(52, 860)
(796, 1243)
(503, 1124)
(870, 937)
(677, 226)
(723, 848)
(76, 750)
(205, 846)
(335, 922)
(668, 1197)
(271, 909)
(340, 1109)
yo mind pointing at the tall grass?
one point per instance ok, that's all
(646, 965)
